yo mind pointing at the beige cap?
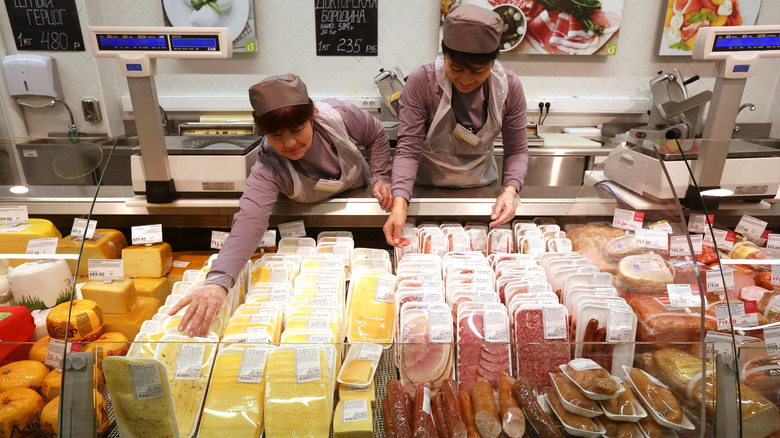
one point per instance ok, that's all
(276, 92)
(472, 29)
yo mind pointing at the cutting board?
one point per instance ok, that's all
(567, 141)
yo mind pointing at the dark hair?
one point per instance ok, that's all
(285, 118)
(471, 61)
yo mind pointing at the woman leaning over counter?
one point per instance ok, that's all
(451, 112)
(309, 153)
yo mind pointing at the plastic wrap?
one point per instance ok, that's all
(370, 312)
(483, 343)
(541, 334)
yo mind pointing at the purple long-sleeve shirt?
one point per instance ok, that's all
(269, 177)
(419, 101)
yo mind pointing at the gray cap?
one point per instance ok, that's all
(276, 92)
(472, 29)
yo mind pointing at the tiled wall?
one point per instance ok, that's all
(408, 36)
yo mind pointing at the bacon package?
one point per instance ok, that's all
(483, 343)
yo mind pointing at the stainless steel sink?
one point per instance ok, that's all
(752, 130)
(769, 142)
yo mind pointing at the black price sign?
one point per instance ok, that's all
(346, 27)
(45, 24)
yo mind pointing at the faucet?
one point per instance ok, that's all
(747, 105)
(165, 122)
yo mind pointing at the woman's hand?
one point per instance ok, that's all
(395, 223)
(203, 304)
(505, 206)
(382, 194)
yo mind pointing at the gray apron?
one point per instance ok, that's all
(449, 161)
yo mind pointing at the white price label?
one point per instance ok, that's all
(496, 325)
(106, 269)
(252, 365)
(678, 245)
(46, 245)
(683, 295)
(384, 290)
(773, 241)
(354, 410)
(181, 264)
(743, 314)
(555, 322)
(724, 239)
(146, 381)
(372, 352)
(13, 214)
(268, 240)
(218, 239)
(652, 239)
(715, 281)
(146, 234)
(772, 341)
(80, 226)
(620, 324)
(627, 219)
(189, 362)
(750, 226)
(721, 343)
(775, 278)
(56, 351)
(697, 223)
(307, 364)
(291, 229)
(440, 327)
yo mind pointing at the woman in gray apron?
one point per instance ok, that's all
(451, 112)
(309, 153)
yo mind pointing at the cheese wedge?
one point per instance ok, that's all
(157, 288)
(353, 419)
(119, 296)
(153, 261)
(14, 239)
(104, 244)
(129, 324)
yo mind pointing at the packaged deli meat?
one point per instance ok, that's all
(763, 279)
(622, 246)
(425, 333)
(763, 375)
(541, 334)
(483, 343)
(647, 273)
(658, 321)
(768, 302)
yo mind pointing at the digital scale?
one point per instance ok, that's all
(743, 169)
(169, 166)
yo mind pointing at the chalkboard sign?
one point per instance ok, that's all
(45, 24)
(346, 27)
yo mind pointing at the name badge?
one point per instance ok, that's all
(329, 185)
(466, 135)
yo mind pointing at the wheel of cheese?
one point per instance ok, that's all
(41, 283)
(86, 321)
(50, 415)
(20, 411)
(39, 349)
(109, 344)
(22, 374)
(52, 384)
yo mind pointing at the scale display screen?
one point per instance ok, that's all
(194, 43)
(746, 42)
(132, 42)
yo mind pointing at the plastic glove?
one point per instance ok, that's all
(382, 194)
(204, 303)
(395, 223)
(505, 206)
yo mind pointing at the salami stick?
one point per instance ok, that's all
(409, 407)
(468, 414)
(439, 417)
(452, 409)
(598, 349)
(422, 420)
(590, 332)
(397, 408)
(512, 418)
(485, 412)
(524, 394)
(390, 428)
(609, 351)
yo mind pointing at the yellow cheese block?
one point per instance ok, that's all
(353, 419)
(154, 260)
(13, 240)
(296, 408)
(104, 244)
(157, 288)
(234, 404)
(352, 393)
(183, 261)
(116, 297)
(86, 321)
(129, 324)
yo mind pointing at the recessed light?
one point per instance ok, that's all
(19, 189)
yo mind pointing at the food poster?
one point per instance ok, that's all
(554, 27)
(685, 17)
(237, 15)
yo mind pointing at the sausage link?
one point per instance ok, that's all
(512, 418)
(390, 428)
(457, 427)
(397, 401)
(467, 413)
(485, 412)
(598, 349)
(422, 426)
(534, 414)
(590, 331)
(439, 417)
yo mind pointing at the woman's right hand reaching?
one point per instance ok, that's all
(395, 223)
(202, 306)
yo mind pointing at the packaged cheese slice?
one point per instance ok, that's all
(147, 261)
(188, 363)
(370, 312)
(14, 239)
(141, 397)
(234, 404)
(104, 244)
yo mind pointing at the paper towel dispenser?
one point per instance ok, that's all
(32, 75)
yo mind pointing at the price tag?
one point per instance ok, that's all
(440, 326)
(42, 246)
(619, 324)
(372, 352)
(773, 241)
(181, 264)
(79, 225)
(106, 269)
(189, 362)
(724, 239)
(743, 314)
(772, 341)
(554, 321)
(652, 239)
(750, 226)
(683, 295)
(354, 410)
(678, 245)
(13, 214)
(697, 223)
(292, 229)
(56, 350)
(146, 234)
(661, 226)
(307, 364)
(775, 279)
(252, 365)
(715, 281)
(146, 381)
(496, 326)
(268, 240)
(721, 343)
(218, 239)
(627, 219)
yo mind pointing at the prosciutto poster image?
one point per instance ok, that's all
(685, 17)
(555, 27)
